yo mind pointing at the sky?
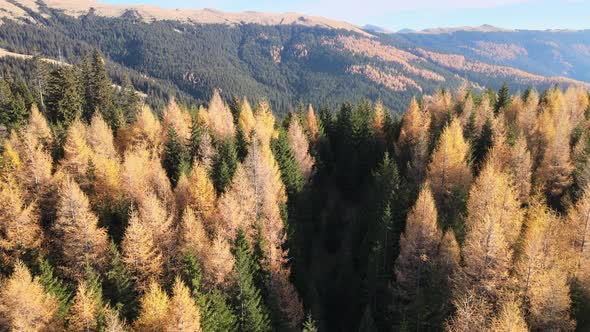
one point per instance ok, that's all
(412, 14)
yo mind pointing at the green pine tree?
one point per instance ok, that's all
(55, 286)
(241, 144)
(62, 96)
(483, 144)
(175, 159)
(224, 165)
(309, 325)
(119, 287)
(290, 172)
(195, 140)
(253, 315)
(503, 98)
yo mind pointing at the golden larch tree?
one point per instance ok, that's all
(265, 123)
(300, 146)
(142, 174)
(472, 313)
(86, 308)
(20, 230)
(200, 196)
(494, 198)
(179, 120)
(183, 314)
(237, 206)
(550, 302)
(378, 120)
(153, 314)
(578, 226)
(24, 305)
(520, 166)
(449, 253)
(418, 244)
(312, 124)
(220, 119)
(155, 216)
(448, 169)
(192, 237)
(510, 319)
(218, 263)
(246, 118)
(38, 127)
(100, 137)
(78, 237)
(146, 131)
(77, 153)
(140, 253)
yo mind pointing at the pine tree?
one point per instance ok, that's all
(24, 305)
(175, 159)
(290, 171)
(119, 287)
(63, 101)
(100, 91)
(309, 325)
(129, 99)
(503, 98)
(224, 165)
(483, 144)
(216, 315)
(253, 315)
(55, 287)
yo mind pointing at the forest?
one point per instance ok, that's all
(468, 212)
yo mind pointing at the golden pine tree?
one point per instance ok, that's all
(100, 137)
(246, 118)
(77, 153)
(153, 315)
(146, 131)
(300, 147)
(218, 263)
(550, 302)
(85, 310)
(179, 120)
(265, 123)
(77, 234)
(494, 198)
(143, 174)
(378, 121)
(418, 244)
(38, 127)
(471, 313)
(20, 230)
(183, 314)
(578, 234)
(201, 196)
(510, 319)
(449, 254)
(220, 119)
(312, 124)
(24, 305)
(192, 235)
(140, 253)
(448, 170)
(520, 166)
(237, 206)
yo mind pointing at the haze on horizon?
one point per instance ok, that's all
(418, 14)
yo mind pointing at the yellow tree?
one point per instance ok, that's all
(418, 244)
(246, 118)
(237, 206)
(77, 235)
(527, 119)
(449, 254)
(146, 130)
(153, 314)
(312, 124)
(510, 319)
(576, 103)
(177, 119)
(520, 166)
(77, 153)
(578, 226)
(100, 137)
(140, 253)
(38, 127)
(472, 313)
(550, 302)
(105, 159)
(86, 309)
(154, 215)
(414, 139)
(35, 167)
(191, 235)
(218, 263)
(24, 305)
(494, 198)
(183, 314)
(265, 122)
(440, 107)
(378, 121)
(220, 119)
(200, 195)
(300, 147)
(20, 230)
(143, 174)
(555, 170)
(448, 171)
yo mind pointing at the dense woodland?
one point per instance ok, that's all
(470, 212)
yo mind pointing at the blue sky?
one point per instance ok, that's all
(413, 14)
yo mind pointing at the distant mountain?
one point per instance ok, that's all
(376, 29)
(289, 58)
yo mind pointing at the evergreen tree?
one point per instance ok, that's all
(62, 96)
(309, 325)
(195, 139)
(175, 159)
(503, 98)
(119, 287)
(290, 171)
(224, 165)
(130, 101)
(101, 91)
(483, 144)
(253, 315)
(55, 286)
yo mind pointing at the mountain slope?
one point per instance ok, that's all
(286, 58)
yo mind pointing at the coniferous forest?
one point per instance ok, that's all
(468, 212)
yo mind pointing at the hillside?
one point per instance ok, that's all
(287, 58)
